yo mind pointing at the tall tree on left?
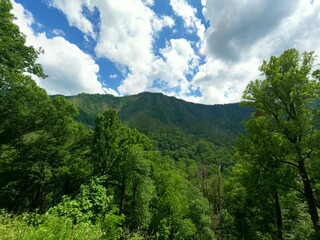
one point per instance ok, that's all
(37, 134)
(19, 95)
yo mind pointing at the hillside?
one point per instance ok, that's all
(153, 113)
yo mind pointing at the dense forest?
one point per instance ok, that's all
(155, 113)
(155, 167)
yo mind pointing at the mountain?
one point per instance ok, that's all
(153, 113)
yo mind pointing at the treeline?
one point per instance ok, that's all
(61, 180)
(154, 113)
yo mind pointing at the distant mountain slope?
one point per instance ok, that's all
(153, 113)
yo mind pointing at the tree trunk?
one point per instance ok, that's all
(308, 193)
(122, 195)
(219, 189)
(278, 216)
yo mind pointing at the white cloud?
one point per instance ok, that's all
(58, 32)
(24, 19)
(126, 34)
(73, 9)
(126, 37)
(244, 33)
(128, 29)
(111, 91)
(240, 36)
(179, 61)
(221, 82)
(300, 30)
(169, 71)
(164, 21)
(148, 2)
(237, 25)
(113, 76)
(70, 70)
(188, 14)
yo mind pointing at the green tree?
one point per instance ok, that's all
(105, 141)
(123, 156)
(15, 56)
(20, 98)
(41, 166)
(42, 149)
(92, 205)
(180, 210)
(285, 110)
(260, 176)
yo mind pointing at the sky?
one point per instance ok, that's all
(202, 51)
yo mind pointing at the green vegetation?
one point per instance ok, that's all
(154, 167)
(279, 158)
(155, 113)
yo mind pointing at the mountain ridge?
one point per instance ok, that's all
(156, 112)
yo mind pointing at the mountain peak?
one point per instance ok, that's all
(150, 112)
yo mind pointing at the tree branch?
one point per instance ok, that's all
(290, 163)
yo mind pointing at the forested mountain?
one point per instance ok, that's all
(154, 113)
(182, 177)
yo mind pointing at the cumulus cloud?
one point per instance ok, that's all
(24, 19)
(220, 82)
(219, 61)
(237, 25)
(159, 23)
(73, 9)
(168, 72)
(126, 36)
(179, 60)
(244, 33)
(70, 70)
(148, 2)
(188, 14)
(300, 30)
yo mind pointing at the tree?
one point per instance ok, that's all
(105, 141)
(261, 175)
(123, 156)
(15, 56)
(23, 105)
(37, 133)
(41, 166)
(285, 110)
(180, 209)
(92, 205)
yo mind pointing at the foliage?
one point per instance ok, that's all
(93, 206)
(39, 227)
(155, 113)
(37, 134)
(122, 155)
(20, 98)
(277, 152)
(15, 56)
(60, 179)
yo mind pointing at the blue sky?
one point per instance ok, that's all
(203, 51)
